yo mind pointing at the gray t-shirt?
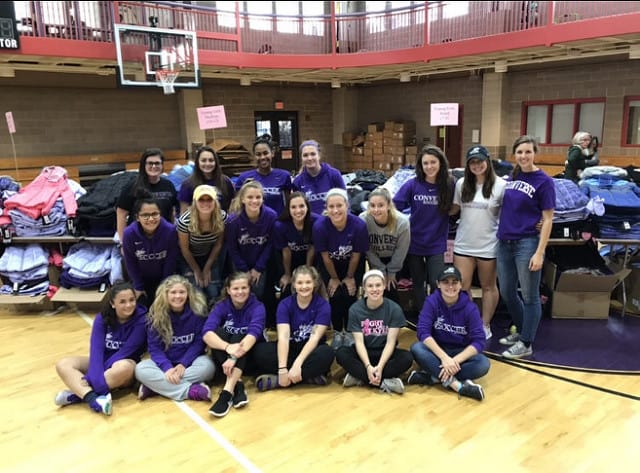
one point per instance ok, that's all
(374, 324)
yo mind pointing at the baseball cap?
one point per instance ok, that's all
(449, 272)
(203, 190)
(478, 152)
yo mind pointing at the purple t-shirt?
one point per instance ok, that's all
(286, 235)
(186, 342)
(250, 243)
(354, 238)
(456, 326)
(301, 321)
(524, 200)
(111, 344)
(316, 188)
(248, 320)
(276, 185)
(150, 259)
(429, 226)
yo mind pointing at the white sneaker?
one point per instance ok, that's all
(487, 332)
(350, 381)
(66, 397)
(392, 385)
(105, 404)
(510, 339)
(518, 350)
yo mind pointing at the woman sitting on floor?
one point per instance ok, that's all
(375, 322)
(451, 339)
(300, 354)
(118, 340)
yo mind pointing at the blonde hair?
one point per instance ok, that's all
(236, 204)
(217, 223)
(159, 317)
(392, 218)
(309, 270)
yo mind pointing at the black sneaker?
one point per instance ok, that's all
(421, 378)
(240, 396)
(472, 390)
(221, 407)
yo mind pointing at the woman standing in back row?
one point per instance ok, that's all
(478, 196)
(149, 184)
(316, 178)
(207, 170)
(529, 197)
(429, 197)
(276, 183)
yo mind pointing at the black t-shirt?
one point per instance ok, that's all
(163, 191)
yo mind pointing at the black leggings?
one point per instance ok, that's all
(400, 361)
(317, 363)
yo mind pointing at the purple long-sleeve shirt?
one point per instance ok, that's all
(429, 226)
(150, 259)
(276, 185)
(186, 342)
(316, 188)
(457, 326)
(248, 320)
(111, 344)
(250, 243)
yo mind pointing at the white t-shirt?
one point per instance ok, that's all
(476, 233)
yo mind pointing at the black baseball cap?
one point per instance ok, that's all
(478, 152)
(449, 272)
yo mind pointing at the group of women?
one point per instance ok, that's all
(503, 224)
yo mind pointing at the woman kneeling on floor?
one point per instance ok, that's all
(234, 326)
(300, 354)
(178, 368)
(452, 338)
(118, 340)
(375, 322)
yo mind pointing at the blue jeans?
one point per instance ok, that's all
(212, 291)
(513, 269)
(473, 368)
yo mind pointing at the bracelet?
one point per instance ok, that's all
(233, 358)
(282, 367)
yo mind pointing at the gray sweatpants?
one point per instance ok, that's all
(149, 374)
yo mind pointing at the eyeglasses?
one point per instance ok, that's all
(147, 217)
(152, 164)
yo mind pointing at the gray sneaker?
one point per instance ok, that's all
(392, 385)
(347, 339)
(350, 381)
(338, 340)
(518, 350)
(472, 390)
(510, 339)
(421, 378)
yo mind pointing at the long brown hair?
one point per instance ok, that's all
(469, 183)
(519, 141)
(443, 181)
